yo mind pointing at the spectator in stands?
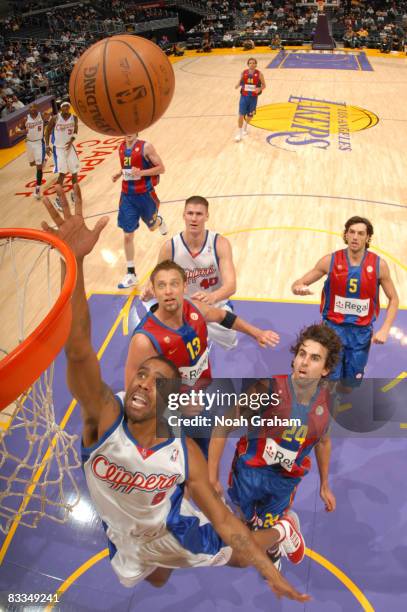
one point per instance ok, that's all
(206, 44)
(386, 44)
(248, 44)
(227, 39)
(362, 35)
(8, 109)
(163, 42)
(276, 42)
(181, 31)
(16, 103)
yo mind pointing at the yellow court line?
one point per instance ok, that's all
(62, 425)
(344, 407)
(339, 574)
(281, 64)
(312, 229)
(77, 574)
(394, 382)
(342, 577)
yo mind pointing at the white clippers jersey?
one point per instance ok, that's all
(34, 127)
(131, 487)
(202, 270)
(63, 130)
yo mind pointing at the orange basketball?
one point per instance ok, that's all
(121, 85)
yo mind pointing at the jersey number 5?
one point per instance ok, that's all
(353, 285)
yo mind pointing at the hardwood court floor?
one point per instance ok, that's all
(283, 205)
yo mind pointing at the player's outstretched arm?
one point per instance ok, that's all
(84, 377)
(231, 321)
(301, 286)
(389, 289)
(227, 272)
(232, 531)
(323, 455)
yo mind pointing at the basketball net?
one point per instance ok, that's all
(37, 457)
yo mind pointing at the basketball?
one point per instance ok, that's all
(121, 85)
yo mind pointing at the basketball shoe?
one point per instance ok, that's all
(292, 544)
(128, 281)
(162, 228)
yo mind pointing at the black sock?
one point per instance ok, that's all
(39, 177)
(131, 270)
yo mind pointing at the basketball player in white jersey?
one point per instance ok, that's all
(62, 130)
(137, 479)
(33, 127)
(207, 259)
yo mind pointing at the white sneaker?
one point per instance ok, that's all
(238, 138)
(293, 545)
(162, 228)
(128, 281)
(37, 193)
(57, 204)
(245, 132)
(72, 197)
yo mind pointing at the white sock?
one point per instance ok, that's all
(130, 264)
(281, 531)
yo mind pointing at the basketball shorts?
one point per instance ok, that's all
(192, 542)
(136, 206)
(35, 151)
(355, 352)
(226, 338)
(247, 106)
(66, 161)
(262, 494)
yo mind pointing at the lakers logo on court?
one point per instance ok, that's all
(310, 122)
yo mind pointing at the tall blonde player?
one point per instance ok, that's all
(207, 259)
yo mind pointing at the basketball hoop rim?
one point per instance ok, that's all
(24, 364)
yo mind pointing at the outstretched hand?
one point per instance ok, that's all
(282, 588)
(267, 338)
(71, 228)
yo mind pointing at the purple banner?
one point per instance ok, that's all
(8, 126)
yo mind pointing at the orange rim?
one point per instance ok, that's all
(29, 359)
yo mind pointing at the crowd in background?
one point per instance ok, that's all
(32, 67)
